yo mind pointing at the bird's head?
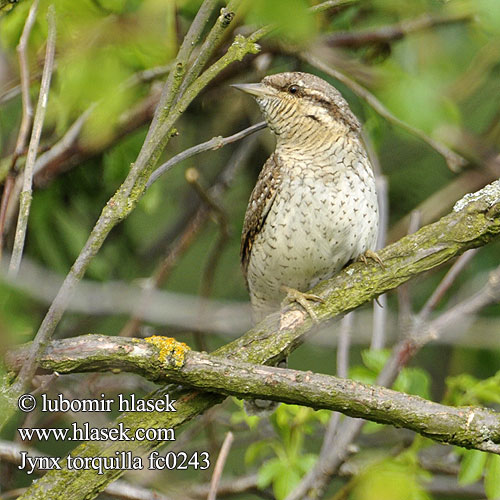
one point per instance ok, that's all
(297, 106)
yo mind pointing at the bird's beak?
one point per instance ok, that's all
(256, 89)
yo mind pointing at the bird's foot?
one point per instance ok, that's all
(293, 295)
(370, 254)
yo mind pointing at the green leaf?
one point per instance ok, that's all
(256, 450)
(362, 374)
(268, 472)
(489, 14)
(306, 463)
(413, 381)
(472, 467)
(292, 17)
(492, 477)
(241, 416)
(389, 480)
(285, 482)
(375, 359)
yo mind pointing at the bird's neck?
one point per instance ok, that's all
(323, 143)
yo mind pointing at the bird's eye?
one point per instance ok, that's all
(293, 89)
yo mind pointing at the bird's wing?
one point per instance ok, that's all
(260, 203)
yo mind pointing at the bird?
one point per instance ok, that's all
(314, 207)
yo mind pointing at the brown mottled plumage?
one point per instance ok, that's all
(314, 206)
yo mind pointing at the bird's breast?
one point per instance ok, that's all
(323, 215)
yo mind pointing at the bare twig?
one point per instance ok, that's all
(8, 94)
(25, 197)
(212, 144)
(440, 202)
(445, 284)
(211, 43)
(393, 32)
(344, 345)
(25, 82)
(330, 4)
(27, 115)
(6, 194)
(453, 160)
(147, 75)
(147, 302)
(191, 229)
(405, 309)
(380, 305)
(192, 176)
(56, 154)
(464, 310)
(342, 371)
(219, 465)
(231, 486)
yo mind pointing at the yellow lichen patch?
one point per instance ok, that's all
(170, 350)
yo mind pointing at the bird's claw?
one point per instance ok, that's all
(293, 295)
(370, 254)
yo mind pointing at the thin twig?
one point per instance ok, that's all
(453, 160)
(393, 32)
(232, 486)
(445, 284)
(464, 310)
(190, 230)
(147, 75)
(330, 4)
(25, 82)
(219, 465)
(192, 176)
(6, 194)
(212, 144)
(343, 346)
(27, 115)
(405, 309)
(379, 305)
(211, 43)
(164, 269)
(442, 200)
(26, 194)
(175, 77)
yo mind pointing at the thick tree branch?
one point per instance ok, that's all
(164, 360)
(474, 222)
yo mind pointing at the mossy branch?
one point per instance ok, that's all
(475, 221)
(162, 359)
